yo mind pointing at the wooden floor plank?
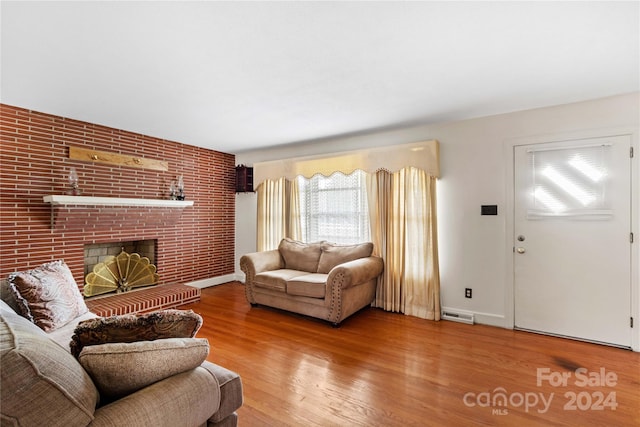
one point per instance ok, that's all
(385, 369)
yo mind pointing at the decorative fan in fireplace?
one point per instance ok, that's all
(120, 273)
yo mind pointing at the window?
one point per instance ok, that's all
(334, 208)
(570, 181)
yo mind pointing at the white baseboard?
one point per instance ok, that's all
(240, 276)
(491, 320)
(213, 281)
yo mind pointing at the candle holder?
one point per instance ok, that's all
(73, 182)
(173, 190)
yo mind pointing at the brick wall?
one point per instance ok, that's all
(34, 151)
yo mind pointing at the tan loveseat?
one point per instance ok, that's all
(42, 384)
(322, 280)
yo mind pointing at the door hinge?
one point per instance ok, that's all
(630, 237)
(631, 152)
(631, 321)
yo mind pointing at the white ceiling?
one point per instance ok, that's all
(235, 76)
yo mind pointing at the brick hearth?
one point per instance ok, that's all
(144, 300)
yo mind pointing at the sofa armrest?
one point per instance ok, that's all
(355, 272)
(231, 397)
(257, 262)
(189, 398)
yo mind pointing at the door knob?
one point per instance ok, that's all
(520, 250)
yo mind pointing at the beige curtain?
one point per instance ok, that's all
(278, 212)
(402, 207)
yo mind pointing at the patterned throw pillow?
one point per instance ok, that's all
(48, 295)
(129, 328)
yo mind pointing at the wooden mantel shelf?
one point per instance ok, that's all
(85, 212)
(115, 201)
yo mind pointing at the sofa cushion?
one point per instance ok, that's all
(118, 369)
(48, 295)
(275, 279)
(300, 256)
(40, 380)
(183, 400)
(63, 335)
(309, 285)
(333, 255)
(135, 327)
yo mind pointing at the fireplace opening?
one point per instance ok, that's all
(119, 266)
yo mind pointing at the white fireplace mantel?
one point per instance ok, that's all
(115, 201)
(86, 211)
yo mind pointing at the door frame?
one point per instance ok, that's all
(510, 235)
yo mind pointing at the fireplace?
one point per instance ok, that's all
(145, 299)
(98, 252)
(119, 267)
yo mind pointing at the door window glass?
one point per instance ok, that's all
(569, 182)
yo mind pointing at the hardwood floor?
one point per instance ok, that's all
(384, 369)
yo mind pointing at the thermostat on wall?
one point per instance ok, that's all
(489, 210)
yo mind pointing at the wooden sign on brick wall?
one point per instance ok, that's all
(87, 155)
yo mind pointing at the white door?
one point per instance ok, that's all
(572, 249)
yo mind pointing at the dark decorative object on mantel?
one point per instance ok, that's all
(176, 189)
(244, 179)
(180, 195)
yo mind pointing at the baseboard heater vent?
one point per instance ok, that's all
(458, 317)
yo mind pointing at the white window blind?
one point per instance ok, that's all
(570, 181)
(334, 208)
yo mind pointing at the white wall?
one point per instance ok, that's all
(474, 163)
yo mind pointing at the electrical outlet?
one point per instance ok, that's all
(467, 292)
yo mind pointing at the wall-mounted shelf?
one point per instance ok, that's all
(74, 212)
(115, 201)
(244, 179)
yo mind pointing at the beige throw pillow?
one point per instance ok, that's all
(119, 369)
(48, 295)
(128, 328)
(333, 255)
(299, 255)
